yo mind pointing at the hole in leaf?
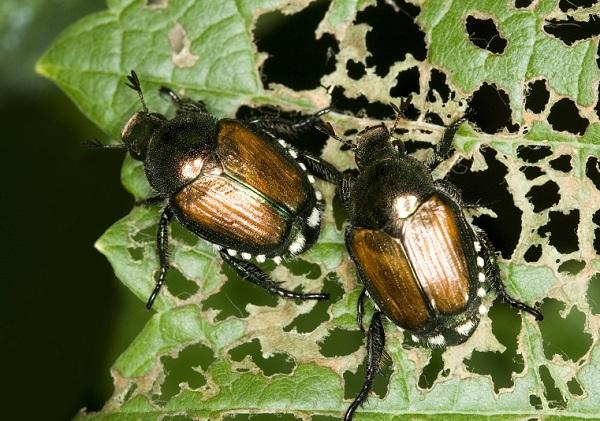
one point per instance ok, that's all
(341, 342)
(574, 387)
(501, 366)
(532, 172)
(489, 188)
(571, 30)
(432, 370)
(136, 253)
(307, 322)
(544, 196)
(180, 369)
(522, 4)
(553, 396)
(562, 163)
(311, 140)
(484, 34)
(147, 234)
(278, 363)
(235, 295)
(566, 5)
(301, 267)
(597, 107)
(536, 402)
(295, 58)
(593, 294)
(563, 231)
(596, 220)
(533, 253)
(533, 153)
(434, 118)
(391, 22)
(361, 106)
(407, 82)
(571, 267)
(536, 96)
(129, 394)
(572, 346)
(490, 110)
(564, 116)
(355, 69)
(353, 382)
(437, 82)
(592, 170)
(179, 286)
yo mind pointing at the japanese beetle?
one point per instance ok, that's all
(236, 184)
(425, 267)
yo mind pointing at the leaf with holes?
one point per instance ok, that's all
(219, 348)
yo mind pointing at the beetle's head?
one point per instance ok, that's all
(373, 144)
(138, 130)
(141, 125)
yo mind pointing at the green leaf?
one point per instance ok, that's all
(181, 364)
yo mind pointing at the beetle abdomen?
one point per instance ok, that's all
(421, 274)
(225, 207)
(259, 164)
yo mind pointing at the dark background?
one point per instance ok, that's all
(65, 317)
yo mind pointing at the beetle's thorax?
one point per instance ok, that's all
(180, 151)
(388, 190)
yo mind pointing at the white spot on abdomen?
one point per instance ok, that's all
(314, 218)
(298, 244)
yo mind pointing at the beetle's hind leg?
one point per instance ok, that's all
(375, 348)
(493, 273)
(254, 274)
(183, 105)
(162, 244)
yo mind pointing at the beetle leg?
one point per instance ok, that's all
(322, 169)
(162, 243)
(375, 346)
(254, 274)
(445, 147)
(150, 201)
(360, 309)
(496, 280)
(183, 105)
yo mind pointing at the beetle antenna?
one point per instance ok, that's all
(400, 111)
(327, 128)
(94, 143)
(134, 83)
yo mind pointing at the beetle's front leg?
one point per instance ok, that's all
(162, 244)
(183, 105)
(496, 283)
(254, 274)
(446, 146)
